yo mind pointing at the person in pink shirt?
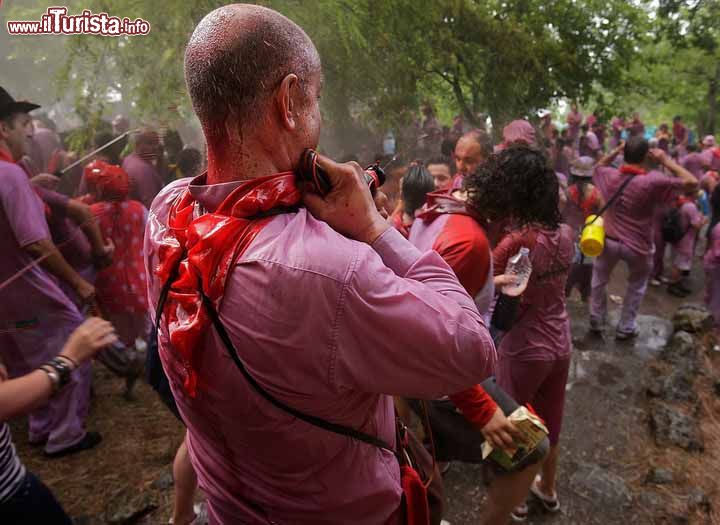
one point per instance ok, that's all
(694, 161)
(534, 355)
(330, 310)
(618, 126)
(145, 180)
(636, 128)
(574, 121)
(37, 316)
(711, 264)
(680, 135)
(583, 200)
(691, 220)
(711, 153)
(629, 225)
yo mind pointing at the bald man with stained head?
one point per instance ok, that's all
(306, 288)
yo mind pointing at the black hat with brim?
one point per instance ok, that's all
(9, 105)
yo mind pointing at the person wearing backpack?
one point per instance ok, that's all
(583, 199)
(682, 223)
(629, 225)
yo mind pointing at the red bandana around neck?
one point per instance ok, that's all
(204, 250)
(716, 152)
(626, 169)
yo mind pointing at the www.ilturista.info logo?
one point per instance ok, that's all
(56, 21)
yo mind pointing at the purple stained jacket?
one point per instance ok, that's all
(331, 327)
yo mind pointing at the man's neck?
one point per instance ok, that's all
(228, 164)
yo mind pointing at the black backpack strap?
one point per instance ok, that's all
(612, 200)
(312, 420)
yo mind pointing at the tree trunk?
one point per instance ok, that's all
(713, 101)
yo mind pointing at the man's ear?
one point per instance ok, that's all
(5, 127)
(287, 101)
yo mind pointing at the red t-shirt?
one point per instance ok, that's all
(464, 246)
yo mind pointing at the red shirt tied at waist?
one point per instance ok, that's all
(447, 227)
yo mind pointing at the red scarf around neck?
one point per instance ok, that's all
(204, 250)
(627, 169)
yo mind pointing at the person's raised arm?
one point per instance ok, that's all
(53, 261)
(405, 325)
(690, 183)
(608, 159)
(23, 394)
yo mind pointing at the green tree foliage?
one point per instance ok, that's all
(382, 58)
(677, 71)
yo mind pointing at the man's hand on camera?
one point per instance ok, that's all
(349, 207)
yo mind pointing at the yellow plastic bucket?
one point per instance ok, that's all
(592, 240)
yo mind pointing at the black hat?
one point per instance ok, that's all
(9, 105)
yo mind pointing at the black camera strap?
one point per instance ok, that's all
(612, 200)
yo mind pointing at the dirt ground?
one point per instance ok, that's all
(605, 438)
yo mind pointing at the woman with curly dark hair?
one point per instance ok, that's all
(518, 185)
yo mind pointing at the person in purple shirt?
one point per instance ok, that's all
(45, 143)
(331, 310)
(711, 153)
(711, 265)
(37, 316)
(618, 125)
(145, 181)
(636, 128)
(629, 225)
(574, 121)
(691, 220)
(694, 162)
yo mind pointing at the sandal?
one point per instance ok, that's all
(551, 504)
(520, 514)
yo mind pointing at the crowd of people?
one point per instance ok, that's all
(287, 329)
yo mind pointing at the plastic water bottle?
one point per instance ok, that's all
(389, 143)
(519, 267)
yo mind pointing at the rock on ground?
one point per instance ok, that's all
(672, 427)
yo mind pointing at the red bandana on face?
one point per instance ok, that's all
(206, 248)
(631, 170)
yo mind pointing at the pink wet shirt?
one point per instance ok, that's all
(630, 219)
(541, 331)
(22, 222)
(331, 327)
(691, 220)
